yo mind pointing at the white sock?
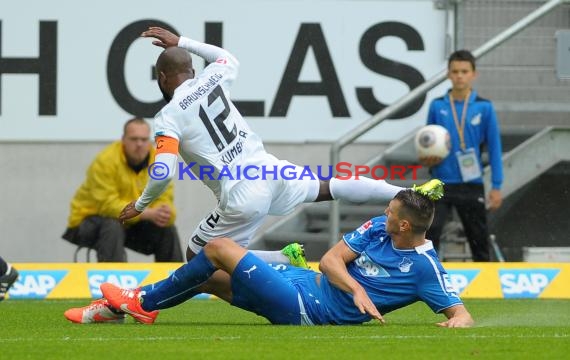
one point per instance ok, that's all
(271, 257)
(362, 190)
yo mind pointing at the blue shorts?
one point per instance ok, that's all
(269, 292)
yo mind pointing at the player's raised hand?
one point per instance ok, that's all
(164, 37)
(129, 212)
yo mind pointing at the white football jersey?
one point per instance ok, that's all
(210, 130)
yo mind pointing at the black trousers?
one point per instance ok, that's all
(469, 201)
(109, 238)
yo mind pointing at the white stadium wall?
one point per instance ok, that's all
(75, 72)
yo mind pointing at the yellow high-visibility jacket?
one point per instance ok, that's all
(111, 184)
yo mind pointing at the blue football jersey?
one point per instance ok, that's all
(392, 278)
(481, 126)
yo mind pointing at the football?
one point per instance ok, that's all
(432, 140)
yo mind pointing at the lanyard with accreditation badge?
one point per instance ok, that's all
(466, 158)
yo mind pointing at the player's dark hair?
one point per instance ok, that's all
(417, 209)
(135, 120)
(462, 55)
(173, 61)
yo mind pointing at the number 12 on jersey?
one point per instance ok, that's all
(218, 121)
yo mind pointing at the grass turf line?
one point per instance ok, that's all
(211, 329)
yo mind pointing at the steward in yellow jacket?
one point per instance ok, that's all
(116, 176)
(110, 184)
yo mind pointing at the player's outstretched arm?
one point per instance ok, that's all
(333, 264)
(210, 53)
(457, 316)
(161, 172)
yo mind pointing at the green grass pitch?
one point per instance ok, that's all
(211, 329)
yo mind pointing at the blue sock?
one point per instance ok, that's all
(179, 286)
(152, 286)
(165, 304)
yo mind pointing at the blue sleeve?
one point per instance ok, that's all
(432, 114)
(359, 239)
(436, 289)
(495, 149)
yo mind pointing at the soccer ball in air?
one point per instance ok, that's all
(432, 140)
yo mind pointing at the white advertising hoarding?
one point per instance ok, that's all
(310, 70)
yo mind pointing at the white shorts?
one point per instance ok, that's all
(244, 204)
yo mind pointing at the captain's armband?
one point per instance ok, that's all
(166, 144)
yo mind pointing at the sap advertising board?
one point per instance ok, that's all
(310, 70)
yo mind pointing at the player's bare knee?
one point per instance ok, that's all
(215, 248)
(212, 246)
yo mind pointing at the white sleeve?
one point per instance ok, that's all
(161, 172)
(208, 52)
(166, 125)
